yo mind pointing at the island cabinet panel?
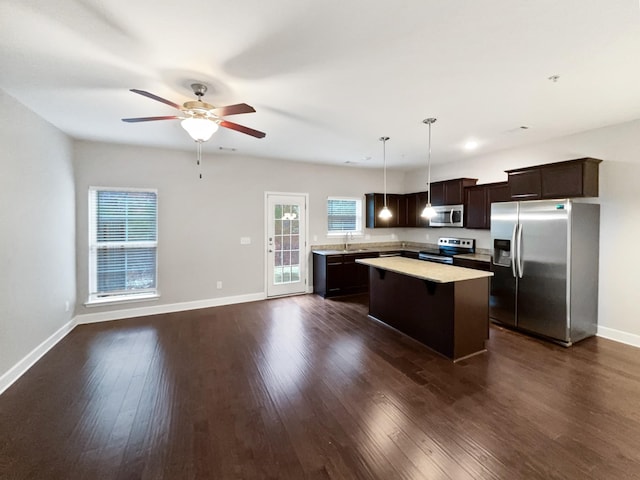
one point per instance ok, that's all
(339, 274)
(450, 318)
(569, 179)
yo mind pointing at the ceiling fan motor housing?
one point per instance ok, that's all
(199, 89)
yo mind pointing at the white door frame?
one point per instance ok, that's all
(304, 250)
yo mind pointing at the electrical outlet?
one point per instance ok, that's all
(66, 305)
(219, 285)
(245, 240)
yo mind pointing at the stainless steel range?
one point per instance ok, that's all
(447, 248)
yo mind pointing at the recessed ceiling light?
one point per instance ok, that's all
(471, 145)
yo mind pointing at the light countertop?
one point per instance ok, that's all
(364, 248)
(434, 272)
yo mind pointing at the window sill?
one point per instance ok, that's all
(121, 299)
(342, 234)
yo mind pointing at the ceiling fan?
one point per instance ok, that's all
(200, 119)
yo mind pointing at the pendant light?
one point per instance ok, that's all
(428, 211)
(385, 213)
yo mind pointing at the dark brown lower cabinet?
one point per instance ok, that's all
(339, 274)
(475, 264)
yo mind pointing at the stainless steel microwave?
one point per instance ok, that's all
(448, 216)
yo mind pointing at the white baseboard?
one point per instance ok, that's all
(15, 372)
(167, 308)
(619, 336)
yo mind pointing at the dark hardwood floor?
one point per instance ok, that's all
(306, 388)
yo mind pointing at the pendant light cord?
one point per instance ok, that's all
(429, 169)
(429, 121)
(384, 160)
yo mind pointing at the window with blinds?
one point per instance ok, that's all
(123, 243)
(344, 215)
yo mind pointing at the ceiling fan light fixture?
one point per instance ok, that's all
(200, 129)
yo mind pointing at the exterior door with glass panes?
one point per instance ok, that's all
(286, 244)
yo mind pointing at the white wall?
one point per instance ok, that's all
(619, 148)
(201, 220)
(37, 249)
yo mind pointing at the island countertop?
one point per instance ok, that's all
(434, 272)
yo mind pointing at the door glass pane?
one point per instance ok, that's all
(286, 244)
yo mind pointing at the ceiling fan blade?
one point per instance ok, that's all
(155, 97)
(242, 129)
(233, 109)
(149, 119)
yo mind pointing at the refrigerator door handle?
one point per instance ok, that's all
(514, 253)
(520, 262)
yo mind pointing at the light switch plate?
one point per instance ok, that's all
(245, 240)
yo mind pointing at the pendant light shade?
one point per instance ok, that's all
(429, 211)
(200, 129)
(385, 213)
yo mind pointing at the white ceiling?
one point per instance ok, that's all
(328, 77)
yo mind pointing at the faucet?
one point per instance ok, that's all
(347, 238)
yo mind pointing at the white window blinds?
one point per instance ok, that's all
(123, 242)
(344, 215)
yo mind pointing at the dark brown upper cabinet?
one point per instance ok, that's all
(571, 178)
(397, 204)
(450, 192)
(415, 205)
(478, 200)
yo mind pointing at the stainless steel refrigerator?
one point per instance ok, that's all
(545, 265)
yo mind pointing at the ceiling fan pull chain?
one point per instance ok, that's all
(199, 150)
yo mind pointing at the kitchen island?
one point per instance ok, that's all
(442, 306)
